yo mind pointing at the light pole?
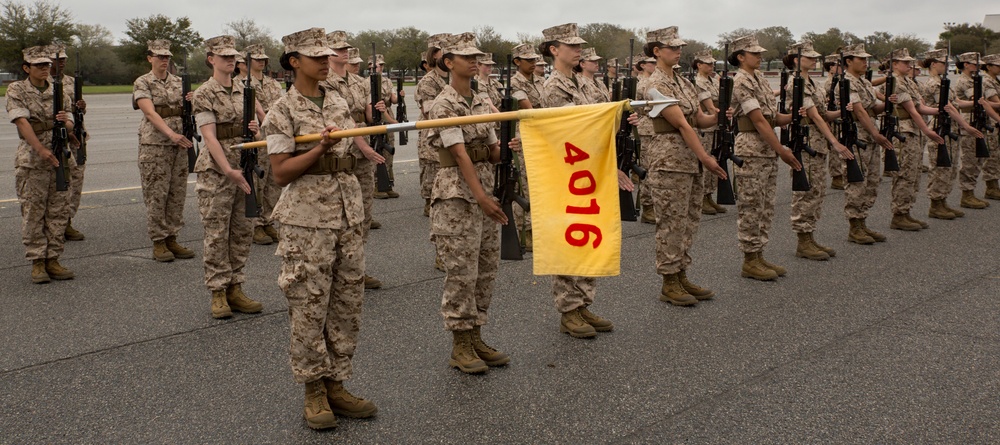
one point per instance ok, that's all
(947, 27)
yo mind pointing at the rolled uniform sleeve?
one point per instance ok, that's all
(16, 108)
(141, 90)
(744, 95)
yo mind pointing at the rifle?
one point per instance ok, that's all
(890, 125)
(799, 133)
(725, 139)
(288, 80)
(831, 102)
(378, 141)
(404, 136)
(248, 158)
(848, 136)
(943, 124)
(188, 126)
(60, 138)
(979, 118)
(785, 135)
(506, 177)
(627, 146)
(78, 131)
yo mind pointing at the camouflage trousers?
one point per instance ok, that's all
(521, 218)
(570, 292)
(365, 172)
(228, 231)
(429, 165)
(906, 181)
(164, 188)
(941, 180)
(968, 173)
(807, 207)
(991, 166)
(645, 199)
(677, 201)
(44, 212)
(322, 276)
(710, 182)
(468, 244)
(860, 197)
(76, 173)
(756, 182)
(268, 192)
(838, 166)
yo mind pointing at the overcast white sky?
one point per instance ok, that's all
(698, 19)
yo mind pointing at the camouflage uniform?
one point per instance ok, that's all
(757, 179)
(968, 173)
(838, 166)
(708, 88)
(267, 91)
(569, 292)
(76, 171)
(940, 179)
(228, 232)
(860, 197)
(323, 263)
(674, 180)
(523, 88)
(807, 206)
(44, 211)
(428, 88)
(991, 88)
(594, 90)
(356, 90)
(906, 181)
(163, 165)
(388, 89)
(467, 240)
(491, 89)
(645, 131)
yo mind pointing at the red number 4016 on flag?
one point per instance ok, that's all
(578, 234)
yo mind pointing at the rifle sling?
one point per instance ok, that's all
(477, 153)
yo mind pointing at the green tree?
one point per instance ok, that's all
(248, 32)
(140, 30)
(967, 38)
(612, 41)
(687, 56)
(492, 42)
(23, 26)
(776, 40)
(93, 56)
(405, 48)
(831, 40)
(912, 43)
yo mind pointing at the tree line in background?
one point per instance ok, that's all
(94, 52)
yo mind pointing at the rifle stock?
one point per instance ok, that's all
(506, 176)
(943, 123)
(890, 125)
(849, 130)
(78, 129)
(627, 146)
(248, 158)
(188, 126)
(798, 132)
(725, 138)
(378, 141)
(404, 136)
(979, 118)
(60, 137)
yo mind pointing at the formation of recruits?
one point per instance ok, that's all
(320, 194)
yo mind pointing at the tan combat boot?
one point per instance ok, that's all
(372, 282)
(573, 324)
(753, 268)
(392, 193)
(837, 183)
(970, 201)
(857, 233)
(375, 225)
(463, 356)
(599, 323)
(381, 195)
(240, 302)
(56, 271)
(271, 232)
(878, 237)
(901, 222)
(73, 234)
(178, 250)
(706, 206)
(806, 248)
(939, 211)
(781, 271)
(718, 208)
(648, 217)
(672, 292)
(958, 213)
(487, 353)
(343, 403)
(38, 273)
(993, 189)
(528, 243)
(316, 409)
(695, 290)
(832, 253)
(161, 253)
(438, 264)
(220, 308)
(922, 224)
(260, 237)
(427, 207)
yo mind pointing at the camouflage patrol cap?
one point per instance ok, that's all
(487, 59)
(379, 59)
(972, 57)
(159, 47)
(58, 49)
(832, 58)
(525, 51)
(807, 49)
(567, 34)
(309, 43)
(240, 58)
(354, 56)
(992, 59)
(256, 52)
(667, 36)
(704, 56)
(337, 40)
(856, 50)
(437, 40)
(639, 60)
(613, 62)
(541, 62)
(37, 54)
(748, 44)
(222, 46)
(590, 54)
(463, 44)
(937, 55)
(902, 55)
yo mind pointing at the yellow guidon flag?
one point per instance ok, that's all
(569, 153)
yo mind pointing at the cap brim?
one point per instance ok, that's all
(162, 53)
(39, 60)
(487, 62)
(572, 41)
(709, 61)
(353, 61)
(316, 51)
(259, 57)
(813, 54)
(227, 52)
(756, 49)
(341, 46)
(528, 57)
(541, 63)
(904, 59)
(676, 42)
(466, 52)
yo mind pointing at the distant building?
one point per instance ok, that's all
(992, 22)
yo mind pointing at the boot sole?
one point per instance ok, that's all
(906, 229)
(495, 363)
(564, 330)
(62, 277)
(861, 241)
(40, 280)
(321, 425)
(76, 238)
(747, 275)
(946, 218)
(454, 364)
(222, 315)
(823, 257)
(183, 257)
(682, 303)
(246, 310)
(356, 415)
